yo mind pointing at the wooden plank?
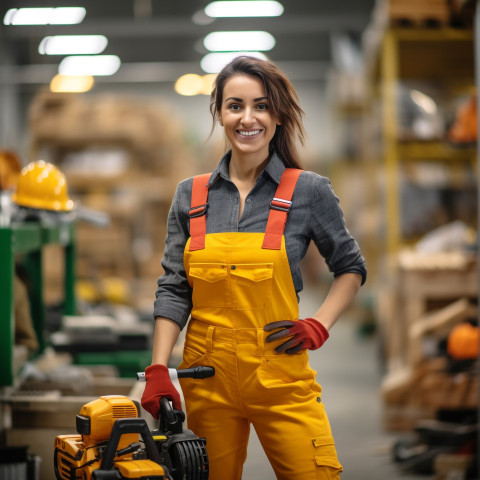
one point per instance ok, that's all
(438, 324)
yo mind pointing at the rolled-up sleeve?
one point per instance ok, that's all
(173, 297)
(330, 234)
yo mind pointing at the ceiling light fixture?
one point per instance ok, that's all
(244, 8)
(214, 62)
(77, 84)
(192, 84)
(97, 65)
(236, 41)
(189, 84)
(44, 16)
(208, 83)
(73, 45)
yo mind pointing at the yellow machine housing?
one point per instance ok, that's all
(78, 456)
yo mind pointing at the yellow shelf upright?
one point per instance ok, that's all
(389, 71)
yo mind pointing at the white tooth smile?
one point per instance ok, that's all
(248, 134)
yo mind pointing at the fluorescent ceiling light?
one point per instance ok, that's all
(247, 8)
(67, 15)
(44, 16)
(99, 65)
(73, 45)
(214, 62)
(236, 41)
(79, 84)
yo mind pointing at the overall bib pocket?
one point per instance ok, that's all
(209, 282)
(239, 286)
(251, 285)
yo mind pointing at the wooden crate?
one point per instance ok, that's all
(417, 394)
(417, 286)
(427, 295)
(413, 13)
(449, 466)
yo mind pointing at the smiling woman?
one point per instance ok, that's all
(281, 101)
(247, 119)
(234, 243)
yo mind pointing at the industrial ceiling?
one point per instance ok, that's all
(159, 40)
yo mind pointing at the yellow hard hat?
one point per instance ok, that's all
(43, 186)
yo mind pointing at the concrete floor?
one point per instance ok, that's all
(348, 369)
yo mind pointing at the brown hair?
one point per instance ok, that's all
(283, 101)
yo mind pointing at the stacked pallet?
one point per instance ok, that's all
(122, 157)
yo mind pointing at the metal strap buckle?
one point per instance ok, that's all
(198, 211)
(281, 204)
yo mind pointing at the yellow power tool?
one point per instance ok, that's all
(113, 443)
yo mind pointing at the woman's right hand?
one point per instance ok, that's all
(159, 385)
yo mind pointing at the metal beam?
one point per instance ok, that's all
(150, 72)
(298, 25)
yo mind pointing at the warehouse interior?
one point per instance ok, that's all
(389, 91)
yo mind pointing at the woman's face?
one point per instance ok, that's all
(246, 116)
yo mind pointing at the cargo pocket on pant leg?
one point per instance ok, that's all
(325, 456)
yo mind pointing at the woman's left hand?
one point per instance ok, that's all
(307, 333)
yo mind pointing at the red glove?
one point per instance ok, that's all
(308, 333)
(159, 385)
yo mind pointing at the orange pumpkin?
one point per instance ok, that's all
(462, 342)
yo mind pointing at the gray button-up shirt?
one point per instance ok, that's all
(315, 215)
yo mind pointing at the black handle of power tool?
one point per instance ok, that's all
(170, 420)
(194, 372)
(167, 411)
(124, 426)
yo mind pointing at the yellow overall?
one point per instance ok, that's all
(238, 287)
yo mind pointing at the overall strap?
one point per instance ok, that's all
(198, 210)
(279, 208)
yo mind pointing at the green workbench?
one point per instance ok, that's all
(27, 240)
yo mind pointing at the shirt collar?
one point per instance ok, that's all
(221, 169)
(274, 168)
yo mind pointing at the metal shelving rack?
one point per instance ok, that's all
(444, 55)
(28, 239)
